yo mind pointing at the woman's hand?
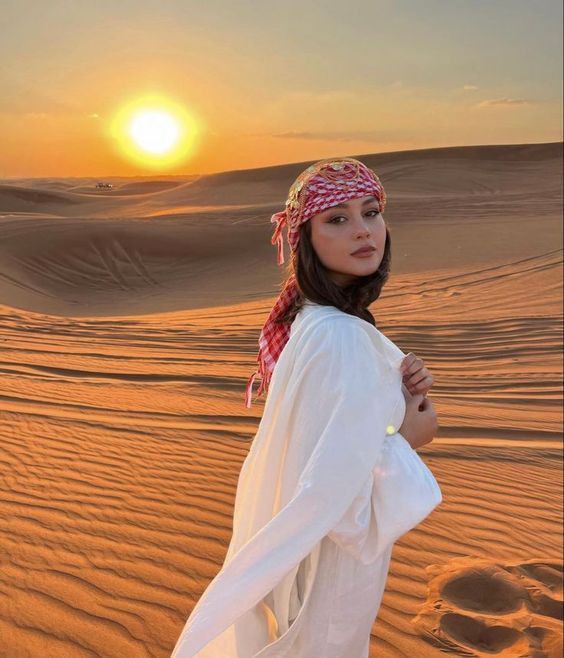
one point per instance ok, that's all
(416, 376)
(420, 424)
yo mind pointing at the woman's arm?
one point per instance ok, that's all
(399, 494)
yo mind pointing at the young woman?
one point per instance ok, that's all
(332, 478)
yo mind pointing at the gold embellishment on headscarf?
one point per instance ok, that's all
(330, 169)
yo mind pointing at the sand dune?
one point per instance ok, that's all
(128, 327)
(175, 247)
(18, 199)
(141, 187)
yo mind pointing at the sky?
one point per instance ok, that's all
(273, 82)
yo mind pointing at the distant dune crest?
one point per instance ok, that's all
(157, 245)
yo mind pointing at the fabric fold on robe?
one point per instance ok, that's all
(399, 494)
(321, 437)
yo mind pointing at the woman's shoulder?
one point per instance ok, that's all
(318, 317)
(327, 328)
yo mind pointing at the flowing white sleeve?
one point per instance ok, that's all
(400, 492)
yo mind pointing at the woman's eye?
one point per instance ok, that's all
(373, 213)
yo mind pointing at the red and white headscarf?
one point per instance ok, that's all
(322, 185)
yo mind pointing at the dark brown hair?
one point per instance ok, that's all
(314, 283)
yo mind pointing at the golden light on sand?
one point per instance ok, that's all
(128, 317)
(155, 132)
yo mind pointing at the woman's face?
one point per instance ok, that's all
(338, 231)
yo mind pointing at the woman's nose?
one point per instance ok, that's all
(362, 227)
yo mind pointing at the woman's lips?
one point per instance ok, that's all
(364, 254)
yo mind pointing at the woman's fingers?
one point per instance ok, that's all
(410, 364)
(419, 385)
(415, 375)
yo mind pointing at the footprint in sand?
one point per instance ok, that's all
(478, 607)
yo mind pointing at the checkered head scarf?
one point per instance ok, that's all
(322, 185)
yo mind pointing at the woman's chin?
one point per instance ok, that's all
(366, 270)
(347, 277)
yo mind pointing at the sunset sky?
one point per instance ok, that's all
(274, 82)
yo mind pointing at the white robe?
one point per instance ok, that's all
(327, 487)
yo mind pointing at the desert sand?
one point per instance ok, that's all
(129, 326)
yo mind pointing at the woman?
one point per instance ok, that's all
(332, 478)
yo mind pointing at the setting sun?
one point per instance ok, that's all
(155, 132)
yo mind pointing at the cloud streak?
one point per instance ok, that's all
(501, 102)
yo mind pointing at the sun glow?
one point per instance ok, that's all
(155, 132)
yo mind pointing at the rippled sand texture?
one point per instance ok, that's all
(129, 323)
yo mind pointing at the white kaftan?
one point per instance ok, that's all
(327, 487)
